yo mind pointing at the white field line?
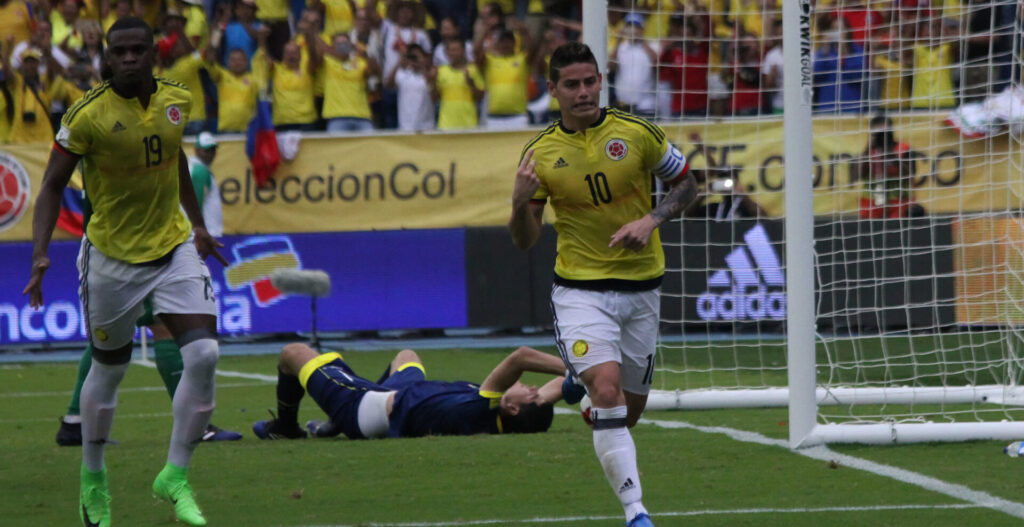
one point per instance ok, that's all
(675, 514)
(953, 490)
(119, 417)
(65, 393)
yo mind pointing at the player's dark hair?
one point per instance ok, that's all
(568, 54)
(530, 419)
(130, 22)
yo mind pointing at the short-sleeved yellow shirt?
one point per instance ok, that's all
(598, 180)
(293, 95)
(458, 107)
(507, 79)
(345, 88)
(130, 168)
(237, 96)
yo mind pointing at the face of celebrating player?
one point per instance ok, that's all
(517, 396)
(578, 91)
(130, 57)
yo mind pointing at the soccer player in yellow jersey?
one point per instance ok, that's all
(126, 134)
(595, 167)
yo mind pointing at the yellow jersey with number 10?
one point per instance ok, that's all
(130, 168)
(598, 180)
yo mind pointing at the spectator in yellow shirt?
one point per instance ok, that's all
(459, 87)
(346, 70)
(292, 96)
(934, 56)
(15, 20)
(237, 90)
(507, 75)
(196, 28)
(30, 95)
(63, 20)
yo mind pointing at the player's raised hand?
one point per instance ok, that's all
(635, 234)
(207, 245)
(34, 289)
(527, 182)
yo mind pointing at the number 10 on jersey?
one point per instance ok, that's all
(599, 190)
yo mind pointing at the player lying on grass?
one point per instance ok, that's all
(402, 403)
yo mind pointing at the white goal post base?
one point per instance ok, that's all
(886, 433)
(779, 397)
(904, 433)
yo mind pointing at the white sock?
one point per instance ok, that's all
(617, 454)
(193, 399)
(98, 401)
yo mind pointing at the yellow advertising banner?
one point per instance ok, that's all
(424, 181)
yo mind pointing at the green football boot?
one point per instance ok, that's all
(94, 499)
(171, 485)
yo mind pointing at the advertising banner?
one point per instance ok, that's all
(870, 275)
(990, 284)
(435, 181)
(381, 280)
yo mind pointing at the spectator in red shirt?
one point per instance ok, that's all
(745, 76)
(684, 64)
(860, 19)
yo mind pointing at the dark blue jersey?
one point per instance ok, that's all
(443, 408)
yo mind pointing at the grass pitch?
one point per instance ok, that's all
(690, 476)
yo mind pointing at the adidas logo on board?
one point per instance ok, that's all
(745, 291)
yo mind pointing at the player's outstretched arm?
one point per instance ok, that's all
(522, 360)
(527, 216)
(44, 218)
(206, 244)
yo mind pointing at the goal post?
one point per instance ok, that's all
(875, 290)
(799, 173)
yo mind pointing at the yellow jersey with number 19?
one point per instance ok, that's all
(130, 168)
(598, 180)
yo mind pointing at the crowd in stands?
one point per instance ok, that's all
(360, 65)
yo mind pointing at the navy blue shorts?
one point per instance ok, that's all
(338, 390)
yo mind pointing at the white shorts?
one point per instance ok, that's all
(594, 327)
(112, 291)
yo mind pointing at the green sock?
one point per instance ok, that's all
(83, 370)
(173, 472)
(168, 362)
(94, 478)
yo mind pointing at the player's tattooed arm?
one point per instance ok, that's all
(636, 234)
(678, 198)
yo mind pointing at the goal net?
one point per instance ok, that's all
(912, 237)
